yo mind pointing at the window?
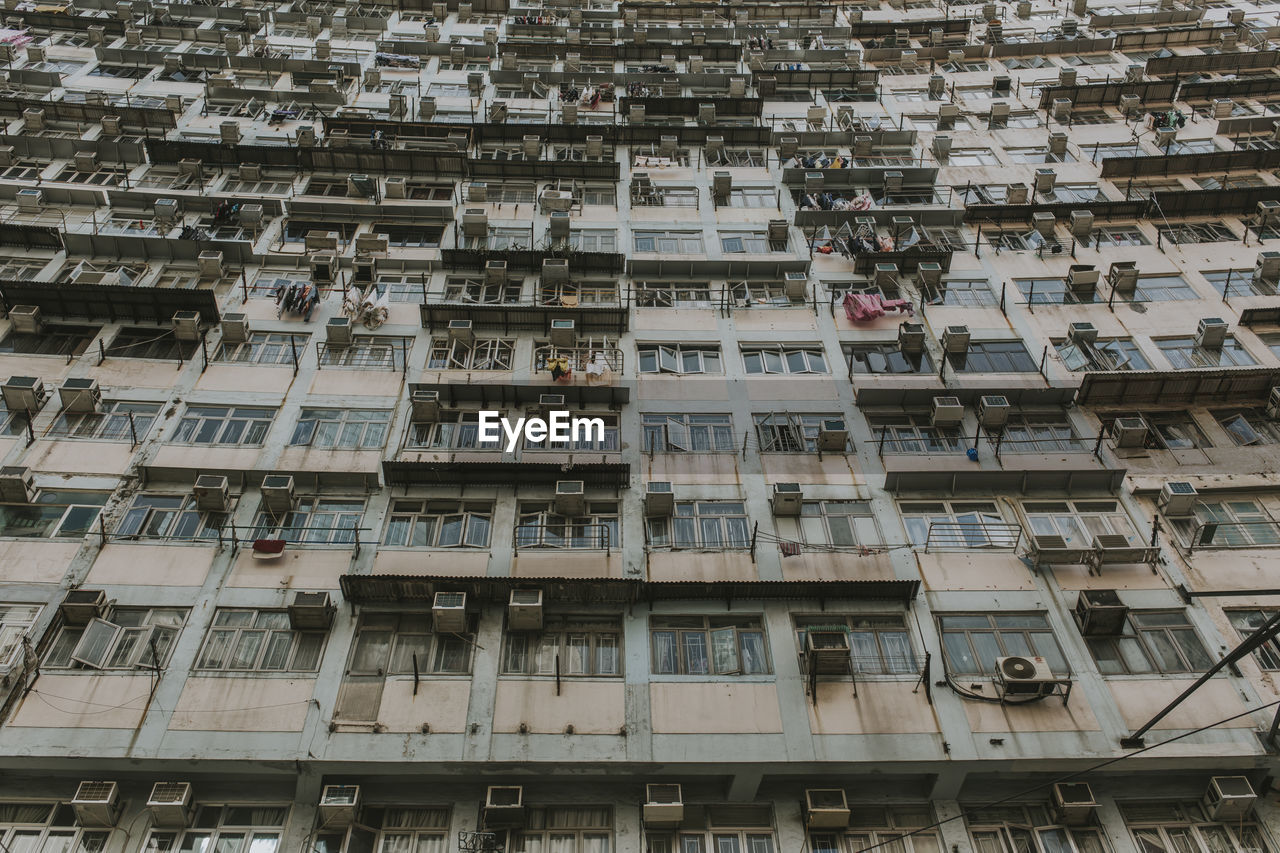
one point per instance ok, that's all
(453, 430)
(604, 195)
(964, 293)
(1164, 826)
(593, 240)
(1163, 288)
(1078, 522)
(117, 421)
(1028, 829)
(1196, 232)
(540, 526)
(462, 289)
(342, 429)
(679, 358)
(261, 641)
(1113, 236)
(677, 433)
(1247, 427)
(439, 524)
(269, 282)
(566, 646)
(265, 348)
(831, 523)
(753, 197)
(733, 828)
(1183, 353)
(1245, 623)
(1233, 523)
(708, 645)
(769, 292)
(914, 434)
(709, 525)
(53, 339)
(993, 357)
(972, 643)
(958, 525)
(1240, 283)
(565, 829)
(124, 640)
(1153, 641)
(481, 354)
(253, 829)
(392, 644)
(224, 425)
(789, 433)
(669, 294)
(169, 517)
(47, 828)
(879, 645)
(749, 242)
(1041, 154)
(972, 157)
(16, 620)
(367, 351)
(410, 235)
(154, 343)
(1190, 146)
(1103, 354)
(669, 242)
(1051, 291)
(326, 521)
(886, 358)
(781, 359)
(586, 439)
(900, 829)
(1040, 433)
(54, 513)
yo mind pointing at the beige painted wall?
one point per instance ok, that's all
(357, 383)
(35, 560)
(241, 377)
(1047, 715)
(692, 469)
(85, 701)
(65, 455)
(243, 704)
(297, 568)
(440, 704)
(138, 372)
(151, 564)
(714, 707)
(416, 561)
(695, 565)
(344, 461)
(946, 570)
(666, 320)
(681, 388)
(836, 469)
(1138, 699)
(880, 707)
(207, 458)
(756, 319)
(831, 566)
(591, 707)
(569, 564)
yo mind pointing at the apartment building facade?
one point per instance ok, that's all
(933, 347)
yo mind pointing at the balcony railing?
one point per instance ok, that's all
(573, 363)
(564, 536)
(1235, 534)
(973, 535)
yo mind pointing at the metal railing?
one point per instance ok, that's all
(585, 360)
(972, 535)
(391, 354)
(1235, 534)
(568, 536)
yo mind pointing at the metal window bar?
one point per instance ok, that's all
(956, 535)
(563, 536)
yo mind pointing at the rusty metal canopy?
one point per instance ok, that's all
(961, 480)
(1227, 385)
(402, 589)
(110, 302)
(607, 475)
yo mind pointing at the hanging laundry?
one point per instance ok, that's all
(790, 549)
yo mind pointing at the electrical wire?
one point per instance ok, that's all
(45, 697)
(1067, 778)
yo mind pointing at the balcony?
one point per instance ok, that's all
(1218, 535)
(601, 310)
(592, 366)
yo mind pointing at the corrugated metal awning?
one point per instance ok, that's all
(468, 472)
(1128, 388)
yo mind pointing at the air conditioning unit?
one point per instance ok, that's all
(524, 610)
(337, 332)
(449, 612)
(563, 334)
(833, 435)
(1211, 333)
(788, 499)
(26, 319)
(97, 803)
(955, 339)
(425, 405)
(570, 498)
(1073, 802)
(82, 606)
(1082, 278)
(235, 328)
(548, 403)
(338, 804)
(17, 485)
(165, 210)
(911, 338)
(947, 411)
(1123, 277)
(323, 267)
(555, 271)
(311, 611)
(1229, 798)
(663, 805)
(1267, 266)
(186, 325)
(1178, 498)
(1100, 613)
(993, 411)
(929, 273)
(503, 806)
(1024, 676)
(1081, 332)
(30, 200)
(210, 264)
(796, 285)
(1129, 432)
(659, 498)
(23, 394)
(170, 804)
(277, 494)
(212, 492)
(80, 395)
(461, 331)
(827, 652)
(826, 808)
